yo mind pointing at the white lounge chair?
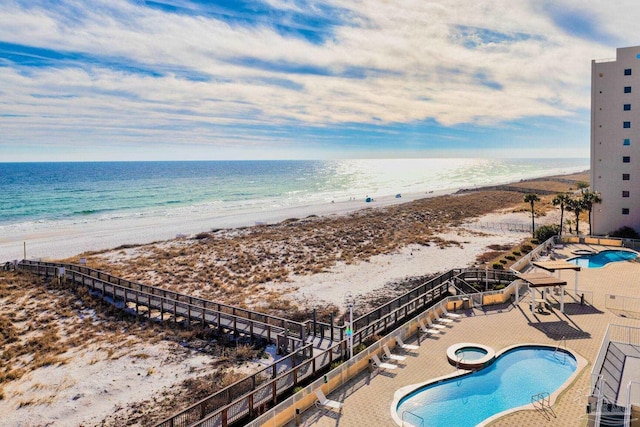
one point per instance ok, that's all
(430, 324)
(443, 319)
(404, 346)
(327, 403)
(449, 315)
(388, 355)
(382, 365)
(428, 331)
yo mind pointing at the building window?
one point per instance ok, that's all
(626, 141)
(626, 159)
(627, 71)
(627, 89)
(625, 211)
(625, 177)
(627, 107)
(626, 125)
(625, 194)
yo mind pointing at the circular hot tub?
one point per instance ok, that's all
(470, 355)
(584, 252)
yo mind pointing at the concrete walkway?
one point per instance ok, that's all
(368, 397)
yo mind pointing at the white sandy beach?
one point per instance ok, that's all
(95, 384)
(365, 277)
(66, 239)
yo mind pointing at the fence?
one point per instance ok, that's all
(401, 309)
(432, 285)
(524, 263)
(628, 306)
(502, 226)
(472, 280)
(604, 241)
(305, 398)
(234, 391)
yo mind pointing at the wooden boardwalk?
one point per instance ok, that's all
(164, 305)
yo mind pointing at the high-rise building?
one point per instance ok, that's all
(615, 140)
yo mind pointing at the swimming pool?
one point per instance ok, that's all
(508, 383)
(602, 258)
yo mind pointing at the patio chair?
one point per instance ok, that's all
(449, 315)
(388, 355)
(443, 319)
(382, 365)
(404, 346)
(327, 403)
(428, 331)
(430, 324)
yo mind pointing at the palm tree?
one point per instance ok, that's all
(576, 206)
(589, 198)
(582, 185)
(532, 199)
(560, 200)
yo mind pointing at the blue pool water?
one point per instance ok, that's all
(471, 353)
(507, 383)
(602, 258)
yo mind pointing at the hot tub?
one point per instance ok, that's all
(470, 355)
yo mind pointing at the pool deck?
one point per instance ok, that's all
(367, 398)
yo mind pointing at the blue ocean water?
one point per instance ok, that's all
(37, 193)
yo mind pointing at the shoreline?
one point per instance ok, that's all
(67, 239)
(74, 238)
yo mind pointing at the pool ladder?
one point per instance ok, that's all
(541, 402)
(557, 350)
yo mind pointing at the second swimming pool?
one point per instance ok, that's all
(508, 383)
(603, 258)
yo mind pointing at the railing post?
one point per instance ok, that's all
(224, 418)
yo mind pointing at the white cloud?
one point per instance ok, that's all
(411, 54)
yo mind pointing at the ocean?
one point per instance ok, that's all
(43, 195)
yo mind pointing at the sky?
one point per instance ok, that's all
(287, 79)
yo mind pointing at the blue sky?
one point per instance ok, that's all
(195, 79)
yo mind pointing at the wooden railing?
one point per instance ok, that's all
(392, 306)
(401, 314)
(191, 308)
(262, 397)
(225, 398)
